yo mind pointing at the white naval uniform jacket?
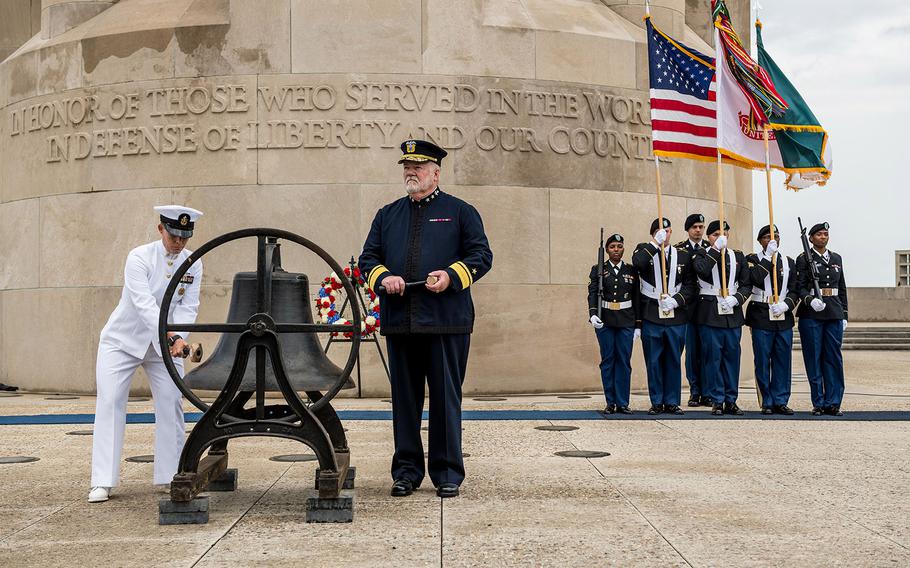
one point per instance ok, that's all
(134, 323)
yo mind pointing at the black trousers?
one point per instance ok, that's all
(438, 361)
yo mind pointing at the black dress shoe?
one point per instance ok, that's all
(766, 411)
(731, 408)
(4, 387)
(673, 409)
(610, 409)
(717, 409)
(624, 410)
(447, 490)
(706, 401)
(784, 409)
(694, 401)
(402, 488)
(834, 411)
(817, 411)
(655, 409)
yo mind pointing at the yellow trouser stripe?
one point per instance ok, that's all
(463, 274)
(375, 273)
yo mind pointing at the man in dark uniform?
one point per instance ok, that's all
(771, 321)
(695, 227)
(426, 235)
(616, 328)
(720, 318)
(822, 322)
(663, 315)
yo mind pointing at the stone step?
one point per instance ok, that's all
(866, 346)
(876, 333)
(876, 339)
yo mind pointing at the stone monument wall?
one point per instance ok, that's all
(289, 113)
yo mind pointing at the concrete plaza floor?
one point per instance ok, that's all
(673, 492)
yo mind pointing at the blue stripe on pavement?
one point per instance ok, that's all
(529, 415)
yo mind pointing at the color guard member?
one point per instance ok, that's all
(695, 228)
(720, 318)
(619, 323)
(663, 314)
(771, 322)
(822, 322)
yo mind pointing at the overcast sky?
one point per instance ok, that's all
(851, 62)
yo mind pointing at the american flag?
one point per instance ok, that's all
(683, 99)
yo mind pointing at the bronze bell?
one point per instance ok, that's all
(307, 365)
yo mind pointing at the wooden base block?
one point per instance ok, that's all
(226, 482)
(348, 480)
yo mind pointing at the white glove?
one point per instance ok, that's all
(660, 236)
(668, 303)
(779, 308)
(817, 305)
(595, 321)
(720, 243)
(637, 333)
(731, 301)
(845, 325)
(771, 249)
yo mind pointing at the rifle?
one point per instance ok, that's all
(600, 275)
(813, 271)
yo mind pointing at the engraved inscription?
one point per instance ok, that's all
(324, 115)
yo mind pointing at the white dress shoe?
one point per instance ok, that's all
(99, 494)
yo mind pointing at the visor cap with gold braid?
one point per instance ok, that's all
(421, 151)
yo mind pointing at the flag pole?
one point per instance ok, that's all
(660, 225)
(771, 212)
(720, 203)
(660, 211)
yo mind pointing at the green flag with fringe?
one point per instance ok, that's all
(803, 143)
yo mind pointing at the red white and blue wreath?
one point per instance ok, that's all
(329, 295)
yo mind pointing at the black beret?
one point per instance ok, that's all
(714, 226)
(421, 151)
(818, 227)
(766, 230)
(654, 225)
(694, 218)
(615, 238)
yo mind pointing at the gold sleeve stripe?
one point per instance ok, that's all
(375, 273)
(463, 274)
(467, 271)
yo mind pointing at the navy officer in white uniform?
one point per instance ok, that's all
(130, 340)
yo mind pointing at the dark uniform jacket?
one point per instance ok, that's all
(757, 312)
(413, 238)
(618, 288)
(642, 260)
(830, 275)
(706, 307)
(686, 245)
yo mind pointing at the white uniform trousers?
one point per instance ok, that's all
(113, 374)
